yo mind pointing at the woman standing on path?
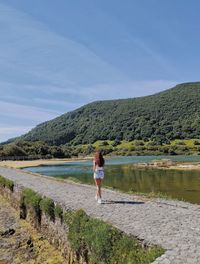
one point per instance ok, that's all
(98, 164)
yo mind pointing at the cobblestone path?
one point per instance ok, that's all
(174, 225)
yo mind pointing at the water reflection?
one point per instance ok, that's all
(177, 184)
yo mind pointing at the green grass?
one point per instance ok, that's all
(152, 195)
(47, 206)
(58, 211)
(5, 183)
(101, 143)
(73, 179)
(31, 200)
(99, 242)
(141, 147)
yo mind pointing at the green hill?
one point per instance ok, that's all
(172, 114)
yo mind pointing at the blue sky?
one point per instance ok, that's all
(58, 55)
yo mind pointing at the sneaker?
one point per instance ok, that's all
(99, 201)
(96, 197)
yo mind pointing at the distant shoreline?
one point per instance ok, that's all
(40, 162)
(177, 166)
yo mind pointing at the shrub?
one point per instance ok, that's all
(196, 143)
(104, 143)
(180, 143)
(116, 143)
(2, 182)
(5, 183)
(139, 143)
(128, 250)
(58, 211)
(99, 238)
(76, 222)
(31, 200)
(10, 185)
(47, 206)
(99, 242)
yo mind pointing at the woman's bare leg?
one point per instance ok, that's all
(99, 191)
(98, 186)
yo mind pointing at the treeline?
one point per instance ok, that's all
(165, 116)
(141, 147)
(31, 150)
(36, 150)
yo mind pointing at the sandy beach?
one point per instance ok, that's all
(186, 166)
(178, 166)
(33, 163)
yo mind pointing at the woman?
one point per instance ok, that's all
(98, 164)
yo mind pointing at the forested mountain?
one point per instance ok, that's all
(172, 114)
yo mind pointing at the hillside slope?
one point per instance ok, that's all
(174, 113)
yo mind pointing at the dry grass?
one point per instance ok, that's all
(33, 163)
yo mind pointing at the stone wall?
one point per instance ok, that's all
(54, 231)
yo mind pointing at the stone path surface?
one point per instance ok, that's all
(174, 225)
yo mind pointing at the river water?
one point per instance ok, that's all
(121, 174)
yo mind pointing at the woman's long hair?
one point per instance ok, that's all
(99, 160)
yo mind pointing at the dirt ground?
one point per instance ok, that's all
(20, 243)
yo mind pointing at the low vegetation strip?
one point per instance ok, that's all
(100, 242)
(27, 150)
(91, 240)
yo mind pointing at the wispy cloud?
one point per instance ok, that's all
(11, 110)
(44, 74)
(41, 72)
(30, 48)
(127, 89)
(12, 131)
(155, 55)
(18, 119)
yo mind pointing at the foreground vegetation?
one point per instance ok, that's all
(5, 183)
(99, 242)
(90, 239)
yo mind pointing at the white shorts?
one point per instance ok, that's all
(99, 174)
